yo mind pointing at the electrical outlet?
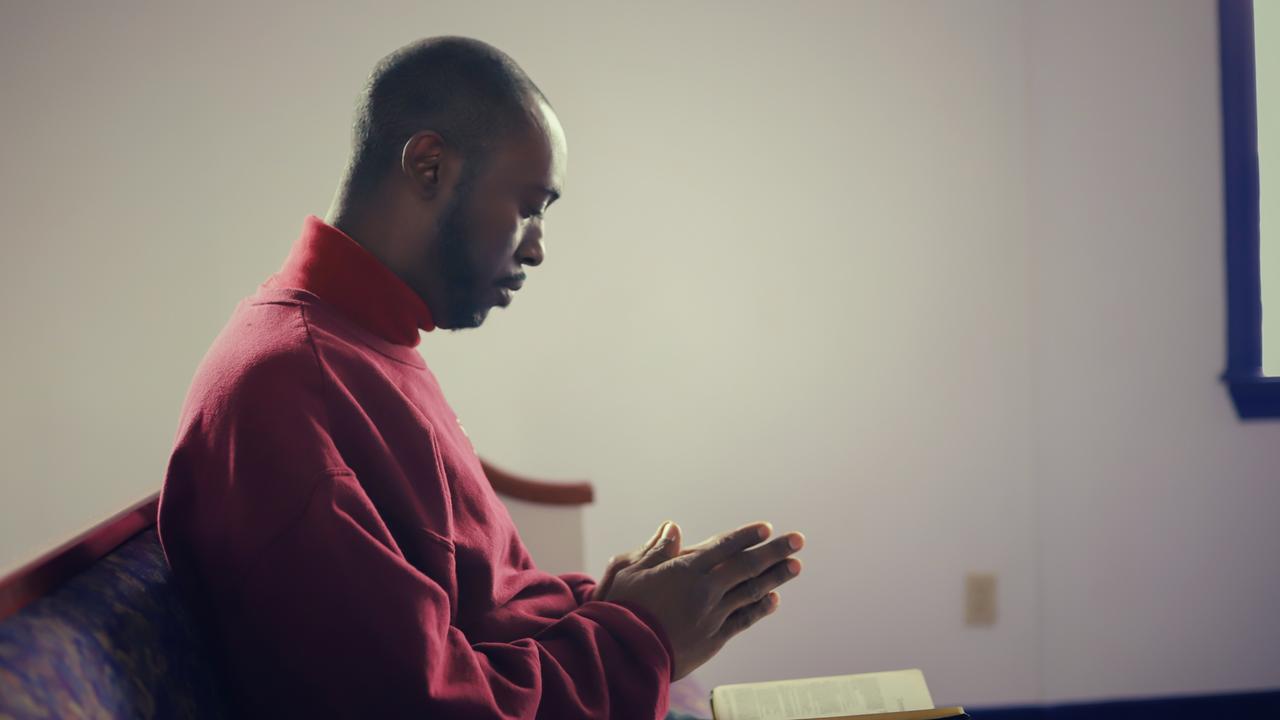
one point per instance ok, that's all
(980, 599)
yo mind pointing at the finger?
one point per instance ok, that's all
(707, 542)
(667, 547)
(759, 586)
(699, 547)
(747, 616)
(727, 545)
(692, 549)
(750, 563)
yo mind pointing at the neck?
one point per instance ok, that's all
(379, 227)
(374, 223)
(353, 218)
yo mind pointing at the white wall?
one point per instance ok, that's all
(938, 283)
(1156, 506)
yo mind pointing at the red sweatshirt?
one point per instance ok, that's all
(331, 521)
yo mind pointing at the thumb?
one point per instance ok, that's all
(666, 547)
(656, 537)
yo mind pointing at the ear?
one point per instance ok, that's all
(421, 160)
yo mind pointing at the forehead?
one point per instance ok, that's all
(535, 157)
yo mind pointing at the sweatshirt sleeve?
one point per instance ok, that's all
(580, 584)
(347, 627)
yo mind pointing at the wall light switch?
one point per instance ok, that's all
(980, 599)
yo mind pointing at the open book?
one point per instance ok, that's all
(895, 695)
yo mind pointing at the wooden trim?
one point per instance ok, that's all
(538, 491)
(47, 572)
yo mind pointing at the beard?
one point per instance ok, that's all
(462, 281)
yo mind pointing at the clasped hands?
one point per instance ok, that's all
(706, 593)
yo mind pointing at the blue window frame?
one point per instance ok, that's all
(1255, 393)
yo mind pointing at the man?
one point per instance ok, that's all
(322, 506)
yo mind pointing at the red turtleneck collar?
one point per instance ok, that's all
(326, 262)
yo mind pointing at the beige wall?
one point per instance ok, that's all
(938, 283)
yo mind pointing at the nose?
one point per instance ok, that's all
(532, 250)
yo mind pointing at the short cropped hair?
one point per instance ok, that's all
(470, 92)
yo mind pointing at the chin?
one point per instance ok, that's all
(469, 319)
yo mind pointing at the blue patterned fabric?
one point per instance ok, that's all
(690, 700)
(115, 641)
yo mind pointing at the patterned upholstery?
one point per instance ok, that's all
(113, 642)
(689, 699)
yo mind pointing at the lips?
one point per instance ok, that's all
(507, 287)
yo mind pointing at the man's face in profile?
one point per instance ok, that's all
(493, 223)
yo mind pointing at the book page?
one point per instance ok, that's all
(868, 693)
